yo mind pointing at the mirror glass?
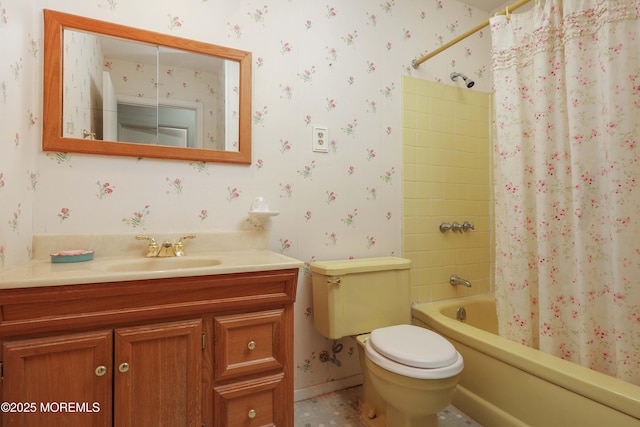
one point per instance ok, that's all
(131, 92)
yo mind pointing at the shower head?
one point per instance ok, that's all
(466, 79)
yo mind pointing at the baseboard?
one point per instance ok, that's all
(328, 387)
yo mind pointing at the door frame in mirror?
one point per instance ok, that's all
(52, 139)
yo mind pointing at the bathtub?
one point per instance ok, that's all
(507, 384)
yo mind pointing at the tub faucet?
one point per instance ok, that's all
(455, 280)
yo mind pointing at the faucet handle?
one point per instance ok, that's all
(445, 226)
(178, 247)
(187, 236)
(153, 248)
(467, 226)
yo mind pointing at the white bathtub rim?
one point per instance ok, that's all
(568, 375)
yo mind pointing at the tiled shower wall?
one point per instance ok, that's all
(446, 178)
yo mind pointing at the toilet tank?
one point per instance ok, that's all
(356, 296)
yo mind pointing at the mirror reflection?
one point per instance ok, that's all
(116, 90)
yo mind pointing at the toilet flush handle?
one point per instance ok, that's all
(334, 281)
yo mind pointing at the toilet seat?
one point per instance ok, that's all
(414, 352)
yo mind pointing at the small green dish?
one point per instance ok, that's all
(71, 256)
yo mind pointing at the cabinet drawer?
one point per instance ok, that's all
(248, 343)
(251, 403)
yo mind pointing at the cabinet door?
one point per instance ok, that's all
(58, 381)
(157, 375)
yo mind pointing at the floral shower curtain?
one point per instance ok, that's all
(566, 181)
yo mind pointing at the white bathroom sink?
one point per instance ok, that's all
(162, 264)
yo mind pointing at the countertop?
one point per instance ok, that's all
(246, 254)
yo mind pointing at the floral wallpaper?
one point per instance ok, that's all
(330, 63)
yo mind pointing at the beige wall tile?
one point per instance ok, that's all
(446, 178)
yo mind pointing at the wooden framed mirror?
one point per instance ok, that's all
(193, 101)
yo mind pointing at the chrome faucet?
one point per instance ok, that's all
(455, 280)
(166, 249)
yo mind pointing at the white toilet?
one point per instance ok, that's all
(409, 373)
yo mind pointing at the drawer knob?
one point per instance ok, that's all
(124, 367)
(252, 413)
(101, 370)
(251, 345)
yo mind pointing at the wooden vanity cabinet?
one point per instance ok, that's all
(193, 351)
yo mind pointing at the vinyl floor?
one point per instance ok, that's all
(342, 409)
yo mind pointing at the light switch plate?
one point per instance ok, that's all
(320, 139)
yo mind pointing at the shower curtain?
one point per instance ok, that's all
(566, 181)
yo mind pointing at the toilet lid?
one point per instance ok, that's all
(413, 346)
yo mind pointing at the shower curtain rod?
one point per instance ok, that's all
(516, 5)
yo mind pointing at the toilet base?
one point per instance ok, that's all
(381, 421)
(422, 405)
(378, 421)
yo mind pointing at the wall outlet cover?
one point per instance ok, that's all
(320, 139)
